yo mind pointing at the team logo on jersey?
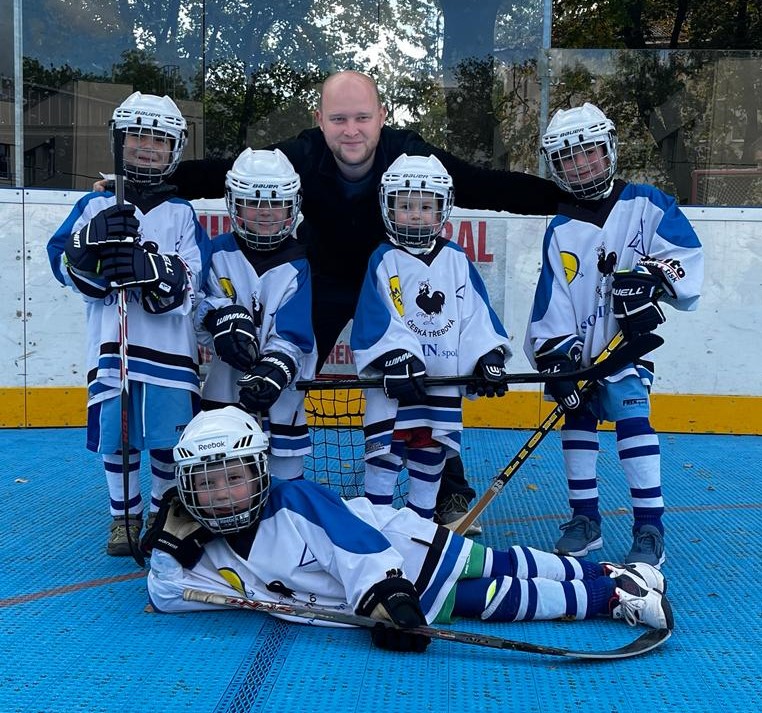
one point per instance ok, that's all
(226, 285)
(606, 261)
(431, 303)
(233, 579)
(395, 292)
(571, 266)
(256, 310)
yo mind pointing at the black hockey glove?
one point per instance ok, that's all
(81, 257)
(174, 531)
(566, 393)
(634, 301)
(130, 265)
(235, 336)
(668, 271)
(395, 599)
(403, 376)
(490, 369)
(114, 224)
(262, 384)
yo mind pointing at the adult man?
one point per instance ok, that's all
(340, 163)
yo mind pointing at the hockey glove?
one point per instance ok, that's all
(263, 383)
(634, 301)
(403, 376)
(129, 265)
(174, 531)
(490, 369)
(235, 336)
(114, 224)
(565, 393)
(395, 599)
(668, 271)
(80, 257)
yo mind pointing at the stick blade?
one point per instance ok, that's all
(646, 642)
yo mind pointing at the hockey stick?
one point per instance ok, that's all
(124, 382)
(645, 343)
(644, 643)
(618, 356)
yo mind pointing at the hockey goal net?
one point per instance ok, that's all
(727, 187)
(335, 418)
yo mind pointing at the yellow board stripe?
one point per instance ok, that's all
(43, 407)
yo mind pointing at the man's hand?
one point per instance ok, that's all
(395, 599)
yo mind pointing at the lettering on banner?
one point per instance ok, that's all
(214, 223)
(474, 247)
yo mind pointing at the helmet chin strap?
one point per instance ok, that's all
(422, 250)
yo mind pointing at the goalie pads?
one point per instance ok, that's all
(395, 599)
(403, 376)
(634, 301)
(234, 334)
(263, 383)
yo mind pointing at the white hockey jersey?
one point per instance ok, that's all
(275, 287)
(162, 348)
(436, 307)
(314, 549)
(583, 248)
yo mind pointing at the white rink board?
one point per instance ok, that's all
(713, 351)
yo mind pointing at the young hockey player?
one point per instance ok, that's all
(423, 310)
(256, 314)
(219, 533)
(154, 248)
(606, 265)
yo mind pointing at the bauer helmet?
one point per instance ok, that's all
(147, 115)
(221, 470)
(263, 198)
(416, 197)
(580, 149)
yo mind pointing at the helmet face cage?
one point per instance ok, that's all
(416, 198)
(225, 495)
(154, 133)
(262, 193)
(221, 471)
(580, 150)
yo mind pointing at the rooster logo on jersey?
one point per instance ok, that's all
(430, 303)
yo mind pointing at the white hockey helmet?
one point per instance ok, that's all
(262, 192)
(580, 149)
(221, 469)
(405, 186)
(144, 115)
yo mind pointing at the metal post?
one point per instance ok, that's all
(18, 94)
(543, 69)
